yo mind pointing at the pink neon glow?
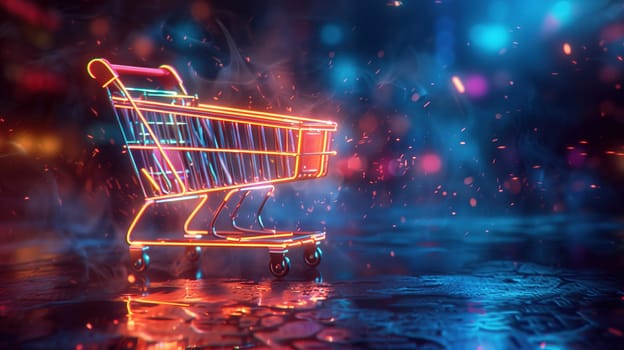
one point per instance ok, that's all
(476, 86)
(31, 13)
(551, 24)
(431, 163)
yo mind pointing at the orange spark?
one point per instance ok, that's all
(458, 84)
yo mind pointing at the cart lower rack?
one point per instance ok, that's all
(182, 150)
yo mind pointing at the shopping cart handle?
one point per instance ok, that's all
(105, 72)
(142, 71)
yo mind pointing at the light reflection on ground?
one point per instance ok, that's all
(539, 286)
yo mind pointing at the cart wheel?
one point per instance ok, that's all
(312, 256)
(314, 275)
(279, 266)
(139, 259)
(193, 253)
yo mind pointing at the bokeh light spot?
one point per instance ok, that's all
(331, 34)
(49, 145)
(200, 10)
(344, 71)
(490, 38)
(25, 142)
(431, 163)
(143, 46)
(562, 11)
(354, 163)
(513, 185)
(399, 125)
(476, 86)
(99, 27)
(395, 3)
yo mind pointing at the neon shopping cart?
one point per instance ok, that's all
(183, 150)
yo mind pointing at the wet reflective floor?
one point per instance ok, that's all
(506, 283)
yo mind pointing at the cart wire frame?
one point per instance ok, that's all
(183, 150)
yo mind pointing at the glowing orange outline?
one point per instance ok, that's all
(275, 241)
(297, 240)
(324, 158)
(220, 150)
(150, 179)
(155, 139)
(258, 237)
(109, 81)
(191, 216)
(238, 112)
(261, 120)
(122, 87)
(175, 75)
(264, 114)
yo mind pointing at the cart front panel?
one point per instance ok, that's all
(204, 152)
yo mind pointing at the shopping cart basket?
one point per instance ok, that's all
(182, 150)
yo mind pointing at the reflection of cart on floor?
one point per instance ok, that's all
(216, 313)
(184, 150)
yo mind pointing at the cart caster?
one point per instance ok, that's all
(139, 259)
(193, 253)
(312, 256)
(279, 265)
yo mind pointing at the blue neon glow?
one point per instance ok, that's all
(562, 11)
(490, 38)
(331, 34)
(151, 92)
(344, 71)
(444, 41)
(498, 10)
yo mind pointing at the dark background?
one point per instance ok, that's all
(537, 130)
(475, 200)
